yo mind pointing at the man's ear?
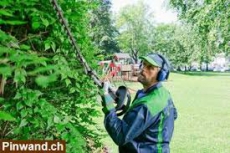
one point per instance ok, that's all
(158, 69)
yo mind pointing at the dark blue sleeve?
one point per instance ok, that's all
(132, 125)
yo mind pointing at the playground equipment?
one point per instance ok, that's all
(120, 67)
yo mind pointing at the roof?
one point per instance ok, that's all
(122, 55)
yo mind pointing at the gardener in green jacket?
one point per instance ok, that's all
(147, 126)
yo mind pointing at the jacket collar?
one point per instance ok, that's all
(155, 86)
(141, 93)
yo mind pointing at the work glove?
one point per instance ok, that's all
(107, 100)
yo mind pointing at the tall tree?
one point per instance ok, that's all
(135, 23)
(178, 42)
(103, 32)
(210, 18)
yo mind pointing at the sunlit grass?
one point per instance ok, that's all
(203, 103)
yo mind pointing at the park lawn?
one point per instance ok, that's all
(203, 103)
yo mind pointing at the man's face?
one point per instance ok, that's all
(148, 74)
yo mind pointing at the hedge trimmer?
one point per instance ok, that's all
(122, 95)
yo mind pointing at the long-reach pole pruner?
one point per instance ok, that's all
(121, 94)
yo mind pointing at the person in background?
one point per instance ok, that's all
(148, 125)
(113, 68)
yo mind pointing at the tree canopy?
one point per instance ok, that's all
(135, 24)
(201, 32)
(210, 19)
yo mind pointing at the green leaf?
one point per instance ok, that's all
(36, 110)
(42, 69)
(45, 22)
(25, 47)
(67, 82)
(38, 93)
(19, 106)
(6, 13)
(72, 90)
(49, 123)
(1, 100)
(4, 3)
(47, 45)
(6, 71)
(60, 127)
(23, 113)
(35, 25)
(57, 119)
(17, 130)
(16, 22)
(4, 37)
(6, 116)
(44, 81)
(18, 95)
(53, 46)
(65, 135)
(36, 122)
(13, 44)
(2, 21)
(42, 102)
(29, 102)
(19, 75)
(67, 119)
(23, 123)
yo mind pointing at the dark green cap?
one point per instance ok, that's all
(153, 59)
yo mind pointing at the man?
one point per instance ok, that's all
(147, 126)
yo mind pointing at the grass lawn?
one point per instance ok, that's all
(203, 103)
